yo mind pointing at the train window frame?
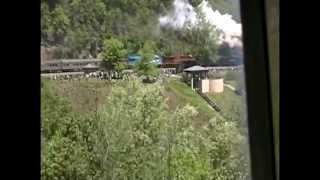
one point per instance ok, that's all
(259, 102)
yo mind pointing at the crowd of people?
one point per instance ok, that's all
(99, 75)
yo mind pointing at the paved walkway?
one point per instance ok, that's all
(230, 87)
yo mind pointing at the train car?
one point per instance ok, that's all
(69, 65)
(51, 66)
(79, 64)
(135, 59)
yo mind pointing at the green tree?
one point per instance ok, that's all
(134, 135)
(79, 27)
(45, 23)
(195, 3)
(89, 20)
(146, 67)
(203, 39)
(65, 150)
(60, 23)
(114, 54)
(227, 6)
(139, 139)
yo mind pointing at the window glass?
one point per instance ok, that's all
(168, 101)
(272, 11)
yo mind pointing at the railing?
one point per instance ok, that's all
(220, 68)
(209, 101)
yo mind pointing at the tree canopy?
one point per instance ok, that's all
(146, 67)
(79, 27)
(114, 54)
(133, 135)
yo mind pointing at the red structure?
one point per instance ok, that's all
(179, 62)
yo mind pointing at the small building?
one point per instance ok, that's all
(196, 74)
(216, 85)
(199, 80)
(179, 62)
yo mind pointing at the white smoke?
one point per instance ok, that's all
(183, 12)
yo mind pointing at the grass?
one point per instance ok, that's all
(84, 96)
(180, 94)
(232, 83)
(233, 106)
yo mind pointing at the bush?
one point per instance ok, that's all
(65, 152)
(146, 68)
(134, 136)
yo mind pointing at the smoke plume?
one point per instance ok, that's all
(183, 13)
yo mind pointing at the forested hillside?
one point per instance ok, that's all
(130, 130)
(78, 28)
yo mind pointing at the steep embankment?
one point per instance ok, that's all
(180, 94)
(85, 96)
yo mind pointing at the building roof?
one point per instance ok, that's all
(196, 68)
(178, 59)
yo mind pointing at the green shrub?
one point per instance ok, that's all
(134, 136)
(65, 153)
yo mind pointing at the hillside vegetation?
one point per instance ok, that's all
(135, 134)
(78, 28)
